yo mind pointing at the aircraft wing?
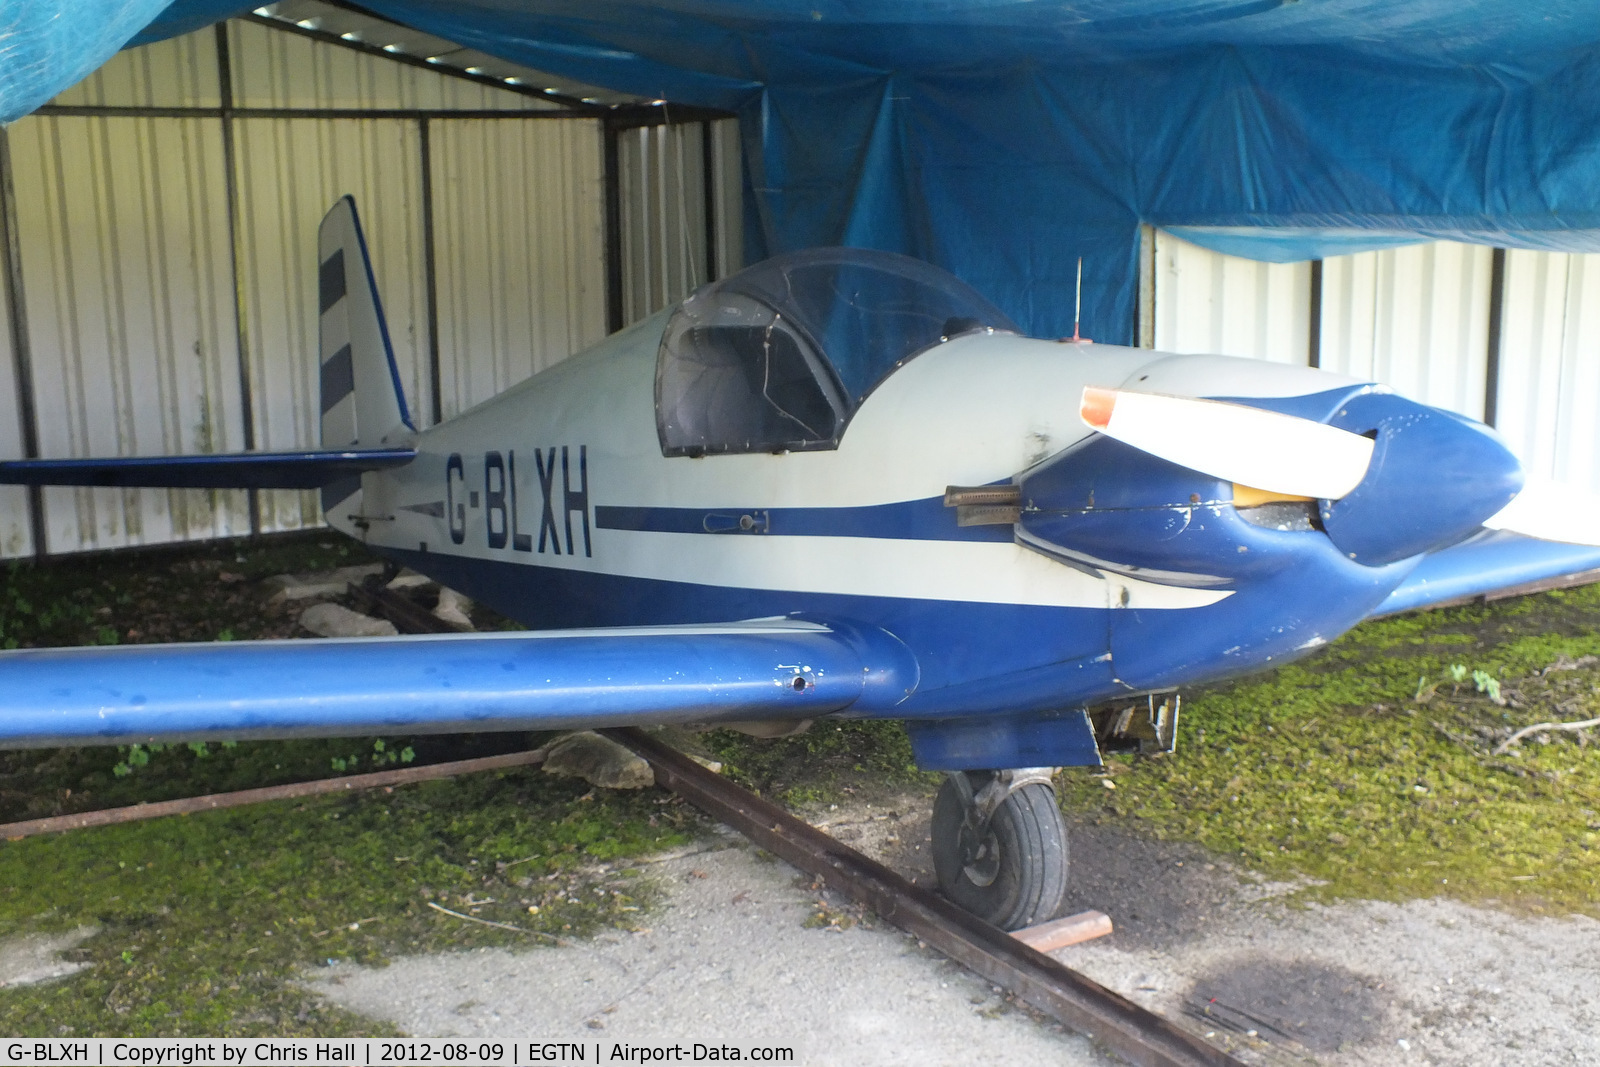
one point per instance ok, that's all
(440, 683)
(310, 469)
(1488, 562)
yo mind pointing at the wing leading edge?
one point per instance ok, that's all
(767, 669)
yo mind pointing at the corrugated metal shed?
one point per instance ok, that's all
(1415, 318)
(521, 262)
(124, 237)
(180, 72)
(1549, 398)
(273, 69)
(352, 24)
(1207, 302)
(666, 196)
(16, 533)
(170, 295)
(290, 171)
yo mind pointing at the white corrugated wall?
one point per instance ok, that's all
(1549, 399)
(123, 230)
(290, 171)
(276, 69)
(1224, 305)
(1415, 318)
(662, 171)
(134, 324)
(16, 533)
(180, 72)
(520, 250)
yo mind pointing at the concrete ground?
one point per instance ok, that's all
(730, 960)
(743, 954)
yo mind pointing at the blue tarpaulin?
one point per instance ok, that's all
(1003, 139)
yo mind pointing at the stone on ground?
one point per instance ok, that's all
(28, 959)
(332, 620)
(453, 609)
(598, 761)
(409, 579)
(323, 583)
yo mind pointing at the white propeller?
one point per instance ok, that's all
(1248, 446)
(1551, 512)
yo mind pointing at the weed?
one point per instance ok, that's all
(1489, 685)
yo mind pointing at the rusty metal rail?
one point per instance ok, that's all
(16, 831)
(1135, 1034)
(407, 616)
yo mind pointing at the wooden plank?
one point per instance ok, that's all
(1059, 933)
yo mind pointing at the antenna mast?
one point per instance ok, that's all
(1077, 311)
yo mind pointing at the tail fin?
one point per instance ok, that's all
(363, 405)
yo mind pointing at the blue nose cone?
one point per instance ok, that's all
(1434, 478)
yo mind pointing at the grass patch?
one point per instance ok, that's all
(1332, 770)
(38, 783)
(205, 920)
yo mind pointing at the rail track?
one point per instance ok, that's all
(1131, 1032)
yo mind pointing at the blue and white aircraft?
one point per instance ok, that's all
(838, 483)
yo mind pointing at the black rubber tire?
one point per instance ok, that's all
(1026, 868)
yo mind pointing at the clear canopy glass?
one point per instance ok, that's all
(778, 356)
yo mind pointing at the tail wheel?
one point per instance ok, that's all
(1011, 869)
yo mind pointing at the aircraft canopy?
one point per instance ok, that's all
(778, 356)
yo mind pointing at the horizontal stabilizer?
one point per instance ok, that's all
(1491, 562)
(236, 470)
(550, 680)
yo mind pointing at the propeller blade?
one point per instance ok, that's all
(1551, 512)
(1244, 445)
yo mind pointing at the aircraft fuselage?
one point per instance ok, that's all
(554, 504)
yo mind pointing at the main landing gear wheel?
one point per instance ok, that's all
(1000, 845)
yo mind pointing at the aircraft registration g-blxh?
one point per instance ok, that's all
(838, 483)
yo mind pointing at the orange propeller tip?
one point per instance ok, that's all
(1096, 406)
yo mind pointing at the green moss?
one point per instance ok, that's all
(831, 759)
(204, 920)
(1330, 770)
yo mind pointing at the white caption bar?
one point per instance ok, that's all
(377, 1052)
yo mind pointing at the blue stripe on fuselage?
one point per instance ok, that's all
(915, 520)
